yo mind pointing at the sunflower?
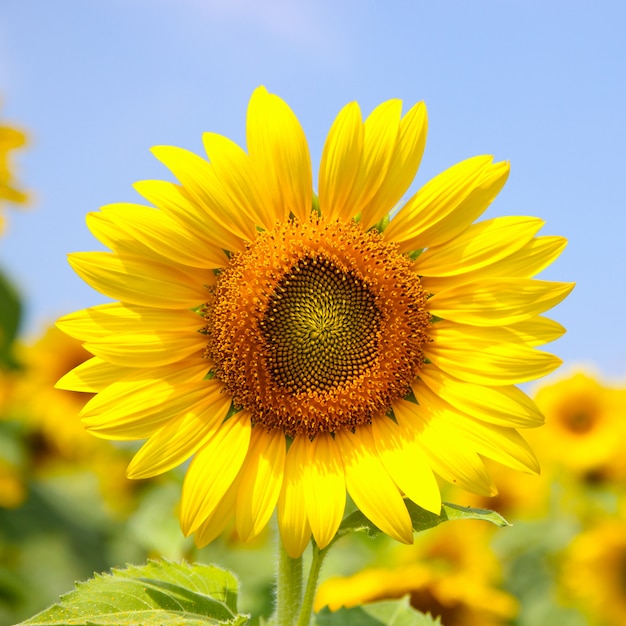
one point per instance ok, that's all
(53, 435)
(584, 427)
(457, 598)
(593, 573)
(10, 139)
(303, 346)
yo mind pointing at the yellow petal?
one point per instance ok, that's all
(213, 471)
(526, 262)
(178, 203)
(447, 204)
(116, 318)
(486, 356)
(148, 349)
(478, 245)
(324, 488)
(293, 524)
(499, 443)
(223, 513)
(261, 480)
(497, 301)
(380, 136)
(340, 164)
(278, 147)
(403, 457)
(199, 179)
(139, 280)
(92, 376)
(447, 452)
(533, 257)
(504, 405)
(371, 487)
(137, 405)
(155, 230)
(403, 165)
(537, 330)
(235, 172)
(181, 436)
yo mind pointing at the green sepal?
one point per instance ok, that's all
(388, 612)
(381, 224)
(414, 254)
(421, 519)
(161, 592)
(315, 207)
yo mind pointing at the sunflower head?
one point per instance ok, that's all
(303, 346)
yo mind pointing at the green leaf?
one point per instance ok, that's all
(158, 593)
(10, 317)
(388, 612)
(421, 518)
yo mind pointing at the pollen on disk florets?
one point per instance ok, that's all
(317, 326)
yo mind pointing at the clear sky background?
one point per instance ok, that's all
(96, 83)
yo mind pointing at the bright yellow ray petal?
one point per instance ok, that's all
(526, 262)
(261, 480)
(278, 147)
(341, 160)
(448, 453)
(156, 231)
(180, 438)
(148, 349)
(176, 201)
(199, 179)
(499, 443)
(235, 172)
(371, 487)
(213, 471)
(92, 376)
(486, 356)
(425, 220)
(403, 457)
(537, 330)
(533, 257)
(114, 317)
(139, 281)
(223, 513)
(497, 301)
(481, 244)
(324, 488)
(293, 524)
(380, 136)
(402, 167)
(504, 405)
(135, 406)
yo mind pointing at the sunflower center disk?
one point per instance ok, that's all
(317, 327)
(320, 327)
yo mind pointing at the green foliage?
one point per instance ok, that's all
(160, 592)
(421, 519)
(389, 612)
(10, 316)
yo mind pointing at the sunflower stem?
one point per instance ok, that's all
(311, 586)
(288, 588)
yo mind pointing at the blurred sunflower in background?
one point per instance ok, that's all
(593, 572)
(302, 346)
(10, 139)
(585, 427)
(57, 441)
(451, 573)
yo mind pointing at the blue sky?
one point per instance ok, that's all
(543, 84)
